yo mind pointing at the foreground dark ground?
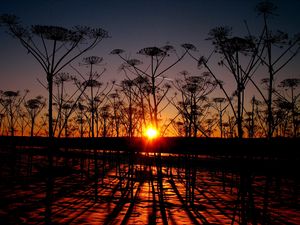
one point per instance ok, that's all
(195, 182)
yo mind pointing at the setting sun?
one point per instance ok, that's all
(151, 133)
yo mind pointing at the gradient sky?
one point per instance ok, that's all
(133, 24)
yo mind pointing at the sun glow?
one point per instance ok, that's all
(151, 133)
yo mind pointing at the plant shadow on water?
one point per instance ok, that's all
(144, 188)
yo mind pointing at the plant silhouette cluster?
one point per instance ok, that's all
(80, 104)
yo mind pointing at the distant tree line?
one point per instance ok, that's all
(79, 104)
